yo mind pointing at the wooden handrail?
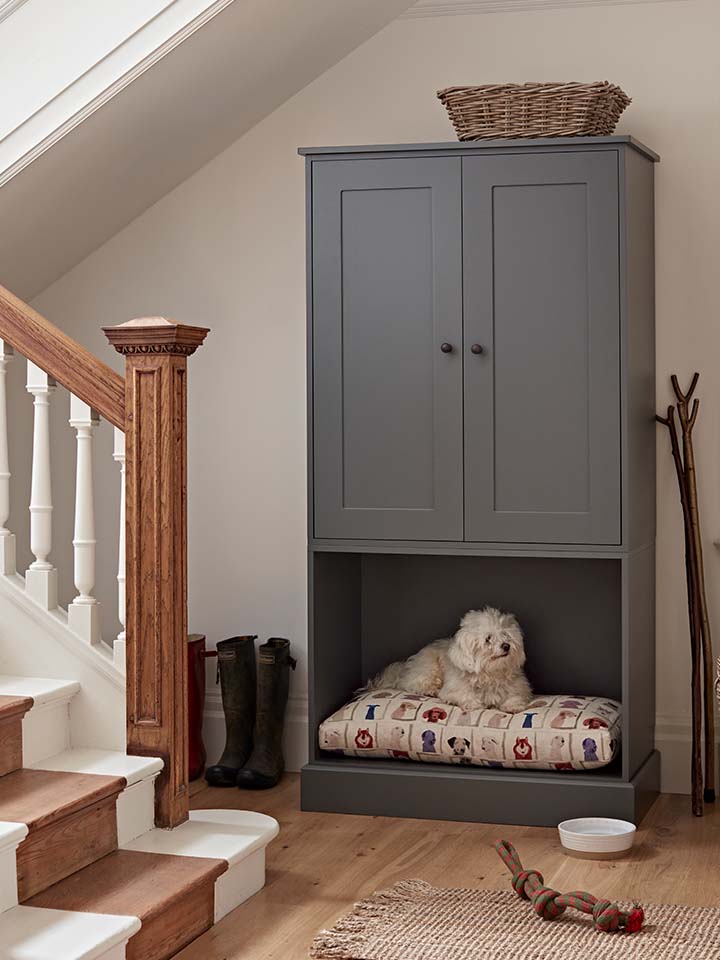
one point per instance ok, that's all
(70, 364)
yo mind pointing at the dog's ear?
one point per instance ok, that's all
(467, 744)
(451, 742)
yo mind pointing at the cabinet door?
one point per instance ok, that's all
(542, 399)
(387, 401)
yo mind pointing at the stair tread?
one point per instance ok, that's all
(111, 763)
(229, 835)
(41, 689)
(13, 706)
(130, 883)
(29, 933)
(40, 797)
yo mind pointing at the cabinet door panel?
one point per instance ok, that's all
(387, 292)
(542, 402)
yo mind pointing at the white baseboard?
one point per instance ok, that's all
(673, 738)
(296, 730)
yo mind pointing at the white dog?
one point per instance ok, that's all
(480, 667)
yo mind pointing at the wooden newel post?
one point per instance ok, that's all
(156, 352)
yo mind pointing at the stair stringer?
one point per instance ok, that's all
(35, 642)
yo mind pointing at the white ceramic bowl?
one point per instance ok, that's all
(596, 838)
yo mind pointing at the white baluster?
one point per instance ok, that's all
(119, 645)
(7, 539)
(41, 576)
(84, 611)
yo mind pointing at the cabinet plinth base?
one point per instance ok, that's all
(479, 795)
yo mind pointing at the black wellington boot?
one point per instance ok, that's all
(265, 766)
(238, 677)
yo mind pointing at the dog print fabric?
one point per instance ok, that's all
(554, 732)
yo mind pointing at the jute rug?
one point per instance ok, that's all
(415, 921)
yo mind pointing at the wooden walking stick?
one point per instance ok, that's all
(696, 773)
(687, 422)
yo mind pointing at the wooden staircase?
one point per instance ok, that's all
(100, 858)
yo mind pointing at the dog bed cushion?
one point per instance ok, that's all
(555, 732)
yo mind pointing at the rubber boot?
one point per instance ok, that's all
(265, 766)
(238, 677)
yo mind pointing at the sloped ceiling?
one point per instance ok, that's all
(166, 124)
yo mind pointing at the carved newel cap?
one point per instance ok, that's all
(155, 335)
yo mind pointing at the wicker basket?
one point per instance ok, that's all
(508, 110)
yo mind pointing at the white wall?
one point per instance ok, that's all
(226, 249)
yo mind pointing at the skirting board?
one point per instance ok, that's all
(296, 730)
(673, 738)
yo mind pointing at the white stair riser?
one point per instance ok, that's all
(114, 953)
(240, 882)
(8, 878)
(136, 810)
(45, 731)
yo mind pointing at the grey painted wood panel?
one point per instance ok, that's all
(429, 791)
(542, 402)
(387, 401)
(408, 601)
(335, 646)
(637, 300)
(638, 605)
(559, 144)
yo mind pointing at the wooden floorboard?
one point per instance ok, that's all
(321, 863)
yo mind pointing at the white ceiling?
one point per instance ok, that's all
(167, 123)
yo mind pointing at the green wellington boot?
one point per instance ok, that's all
(238, 677)
(265, 766)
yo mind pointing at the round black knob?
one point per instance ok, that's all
(446, 347)
(476, 348)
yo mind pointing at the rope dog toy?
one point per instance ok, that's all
(549, 904)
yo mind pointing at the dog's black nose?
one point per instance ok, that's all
(506, 648)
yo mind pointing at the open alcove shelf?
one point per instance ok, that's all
(369, 609)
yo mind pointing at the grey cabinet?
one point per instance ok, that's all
(542, 400)
(387, 401)
(468, 344)
(481, 383)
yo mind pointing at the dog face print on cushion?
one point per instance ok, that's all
(435, 715)
(595, 723)
(428, 741)
(490, 748)
(499, 720)
(364, 740)
(565, 718)
(333, 738)
(396, 738)
(405, 711)
(556, 747)
(590, 750)
(523, 749)
(459, 746)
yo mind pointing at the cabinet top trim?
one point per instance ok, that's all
(475, 146)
